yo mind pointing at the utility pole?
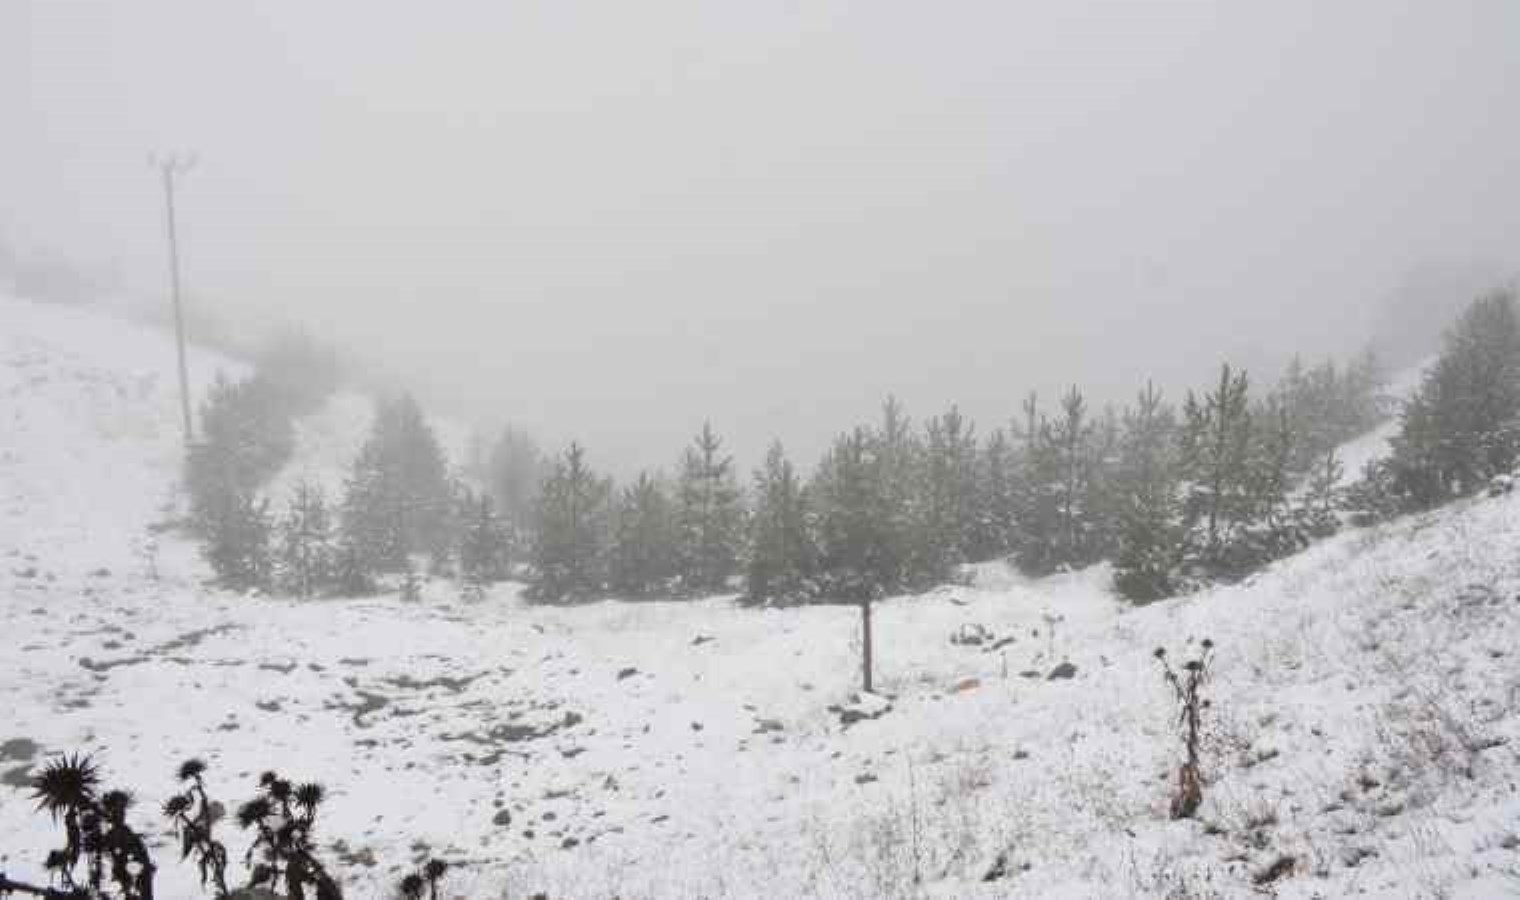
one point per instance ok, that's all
(168, 167)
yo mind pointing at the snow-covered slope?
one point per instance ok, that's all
(1354, 455)
(90, 435)
(1364, 720)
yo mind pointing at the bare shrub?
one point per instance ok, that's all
(1187, 685)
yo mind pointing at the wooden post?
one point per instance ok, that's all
(865, 625)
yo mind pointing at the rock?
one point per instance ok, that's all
(19, 749)
(364, 857)
(19, 777)
(865, 778)
(701, 639)
(627, 673)
(569, 842)
(1284, 865)
(1029, 673)
(864, 707)
(998, 870)
(1063, 672)
(764, 726)
(971, 634)
(502, 818)
(696, 726)
(1352, 857)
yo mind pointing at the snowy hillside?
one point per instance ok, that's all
(1354, 455)
(1364, 732)
(90, 436)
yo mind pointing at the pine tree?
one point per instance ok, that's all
(782, 556)
(245, 436)
(1272, 529)
(1039, 550)
(1099, 501)
(1058, 527)
(1376, 495)
(515, 470)
(1216, 468)
(306, 560)
(399, 500)
(482, 545)
(893, 458)
(371, 520)
(997, 499)
(237, 542)
(852, 523)
(1321, 497)
(947, 507)
(1072, 436)
(572, 530)
(710, 516)
(854, 526)
(352, 576)
(645, 554)
(1145, 492)
(1462, 426)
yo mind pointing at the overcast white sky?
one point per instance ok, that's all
(611, 220)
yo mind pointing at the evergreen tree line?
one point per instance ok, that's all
(1174, 496)
(1461, 428)
(399, 508)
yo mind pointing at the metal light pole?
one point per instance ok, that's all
(169, 167)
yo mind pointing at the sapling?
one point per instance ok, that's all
(1187, 685)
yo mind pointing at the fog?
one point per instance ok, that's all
(611, 221)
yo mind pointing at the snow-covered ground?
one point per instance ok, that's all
(1364, 720)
